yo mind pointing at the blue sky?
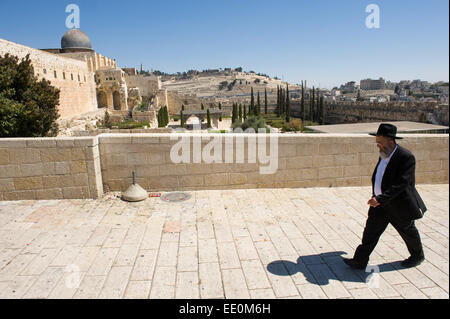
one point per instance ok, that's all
(325, 42)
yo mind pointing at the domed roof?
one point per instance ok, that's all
(75, 39)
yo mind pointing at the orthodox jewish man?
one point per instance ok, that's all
(394, 201)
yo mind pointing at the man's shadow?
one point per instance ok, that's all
(321, 268)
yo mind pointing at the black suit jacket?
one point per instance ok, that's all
(399, 195)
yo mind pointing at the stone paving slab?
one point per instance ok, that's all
(253, 243)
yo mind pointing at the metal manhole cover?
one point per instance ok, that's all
(176, 197)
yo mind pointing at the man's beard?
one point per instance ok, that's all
(386, 152)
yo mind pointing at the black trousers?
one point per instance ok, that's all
(376, 225)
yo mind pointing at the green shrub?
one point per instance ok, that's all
(255, 122)
(28, 107)
(130, 125)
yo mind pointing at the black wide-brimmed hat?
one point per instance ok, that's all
(387, 130)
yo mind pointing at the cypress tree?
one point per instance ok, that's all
(233, 114)
(203, 107)
(258, 108)
(208, 117)
(318, 106)
(322, 111)
(278, 101)
(220, 108)
(167, 116)
(307, 107)
(160, 119)
(312, 104)
(288, 105)
(182, 119)
(252, 104)
(265, 101)
(240, 112)
(245, 112)
(302, 103)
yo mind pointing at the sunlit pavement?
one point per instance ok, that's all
(266, 243)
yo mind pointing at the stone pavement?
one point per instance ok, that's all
(266, 243)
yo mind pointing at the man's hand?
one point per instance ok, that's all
(373, 202)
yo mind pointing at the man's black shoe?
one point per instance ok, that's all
(354, 264)
(412, 262)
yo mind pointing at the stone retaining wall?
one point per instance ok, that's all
(85, 167)
(304, 161)
(50, 168)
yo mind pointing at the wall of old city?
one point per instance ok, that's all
(354, 112)
(72, 77)
(148, 85)
(84, 167)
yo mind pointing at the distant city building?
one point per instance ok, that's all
(335, 92)
(369, 84)
(349, 87)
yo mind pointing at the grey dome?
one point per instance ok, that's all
(75, 39)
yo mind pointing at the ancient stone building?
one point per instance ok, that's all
(72, 77)
(88, 80)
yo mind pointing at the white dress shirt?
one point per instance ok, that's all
(380, 173)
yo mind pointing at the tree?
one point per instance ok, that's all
(282, 102)
(166, 116)
(240, 112)
(220, 108)
(288, 105)
(254, 122)
(265, 101)
(28, 107)
(322, 112)
(182, 119)
(233, 115)
(276, 106)
(245, 112)
(208, 116)
(258, 108)
(312, 99)
(163, 117)
(160, 119)
(302, 103)
(203, 107)
(252, 104)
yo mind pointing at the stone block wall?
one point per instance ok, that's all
(337, 113)
(303, 161)
(50, 168)
(85, 167)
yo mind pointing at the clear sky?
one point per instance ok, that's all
(325, 42)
